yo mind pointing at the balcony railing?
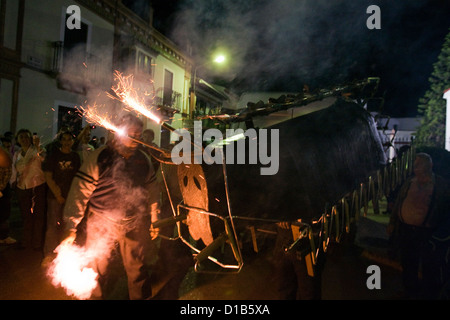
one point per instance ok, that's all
(79, 72)
(58, 49)
(170, 99)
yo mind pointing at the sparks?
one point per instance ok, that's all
(127, 94)
(133, 104)
(93, 115)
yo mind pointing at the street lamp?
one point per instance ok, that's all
(219, 59)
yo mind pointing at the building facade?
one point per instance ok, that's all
(57, 55)
(396, 133)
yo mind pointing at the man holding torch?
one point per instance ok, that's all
(116, 189)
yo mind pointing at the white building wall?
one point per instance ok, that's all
(179, 85)
(163, 64)
(447, 120)
(38, 92)
(39, 95)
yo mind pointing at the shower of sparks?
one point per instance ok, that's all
(131, 97)
(93, 115)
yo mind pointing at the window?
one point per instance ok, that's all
(144, 63)
(75, 45)
(168, 88)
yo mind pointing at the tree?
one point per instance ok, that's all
(432, 106)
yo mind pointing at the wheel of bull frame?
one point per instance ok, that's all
(195, 194)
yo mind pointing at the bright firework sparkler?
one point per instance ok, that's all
(70, 269)
(93, 115)
(132, 99)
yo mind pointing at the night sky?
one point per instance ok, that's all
(280, 45)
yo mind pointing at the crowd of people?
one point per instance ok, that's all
(39, 178)
(50, 185)
(113, 183)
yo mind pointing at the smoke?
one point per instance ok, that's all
(273, 39)
(74, 267)
(284, 44)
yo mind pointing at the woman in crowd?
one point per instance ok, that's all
(29, 182)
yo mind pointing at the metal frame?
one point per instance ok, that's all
(229, 235)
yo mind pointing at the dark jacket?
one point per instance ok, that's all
(112, 186)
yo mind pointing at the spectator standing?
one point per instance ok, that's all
(5, 196)
(11, 142)
(29, 182)
(59, 169)
(420, 212)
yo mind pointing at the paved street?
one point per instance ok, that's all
(344, 275)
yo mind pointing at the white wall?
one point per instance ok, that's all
(180, 84)
(447, 120)
(39, 95)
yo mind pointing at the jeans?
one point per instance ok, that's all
(54, 230)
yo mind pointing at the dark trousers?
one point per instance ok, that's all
(32, 204)
(5, 212)
(102, 236)
(417, 258)
(54, 229)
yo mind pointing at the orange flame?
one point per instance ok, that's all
(70, 270)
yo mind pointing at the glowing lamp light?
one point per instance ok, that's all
(220, 59)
